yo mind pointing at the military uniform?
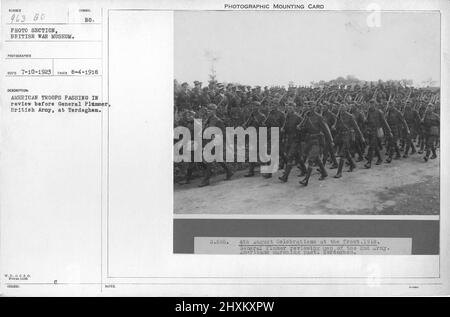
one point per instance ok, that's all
(182, 101)
(190, 166)
(256, 120)
(422, 140)
(412, 118)
(330, 119)
(316, 131)
(397, 124)
(346, 128)
(196, 99)
(275, 119)
(292, 144)
(205, 98)
(375, 124)
(359, 145)
(431, 122)
(214, 121)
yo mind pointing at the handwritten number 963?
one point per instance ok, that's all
(21, 18)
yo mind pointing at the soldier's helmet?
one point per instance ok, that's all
(211, 107)
(430, 107)
(290, 106)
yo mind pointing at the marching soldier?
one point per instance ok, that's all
(430, 123)
(359, 145)
(214, 121)
(196, 96)
(182, 100)
(346, 127)
(256, 120)
(188, 122)
(275, 119)
(422, 140)
(316, 131)
(205, 98)
(292, 143)
(376, 127)
(396, 122)
(330, 119)
(412, 119)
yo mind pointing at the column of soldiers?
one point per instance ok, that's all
(334, 125)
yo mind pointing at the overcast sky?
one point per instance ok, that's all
(272, 48)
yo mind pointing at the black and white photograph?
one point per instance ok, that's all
(354, 97)
(221, 148)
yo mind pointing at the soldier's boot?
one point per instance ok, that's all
(304, 181)
(352, 165)
(421, 147)
(360, 154)
(302, 167)
(334, 160)
(427, 155)
(325, 159)
(267, 175)
(433, 150)
(389, 158)
(205, 180)
(340, 167)
(228, 175)
(188, 176)
(323, 171)
(408, 145)
(397, 153)
(228, 171)
(378, 154)
(287, 170)
(283, 163)
(369, 159)
(388, 150)
(413, 148)
(251, 170)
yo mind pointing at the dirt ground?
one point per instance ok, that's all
(407, 186)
